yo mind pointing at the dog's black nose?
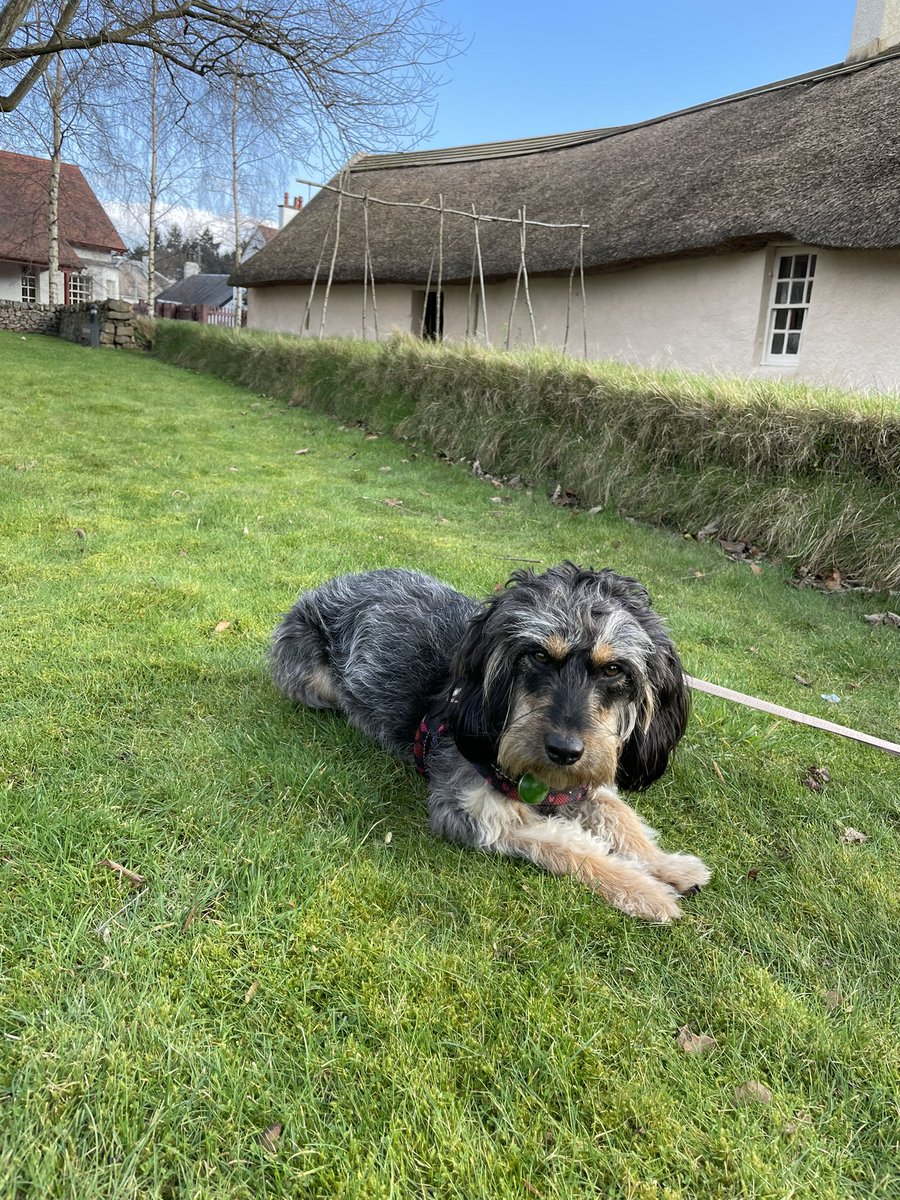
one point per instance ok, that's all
(563, 750)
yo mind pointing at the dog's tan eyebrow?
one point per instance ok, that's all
(557, 647)
(602, 653)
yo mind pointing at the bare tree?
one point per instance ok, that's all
(365, 65)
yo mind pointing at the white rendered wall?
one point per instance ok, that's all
(10, 281)
(706, 315)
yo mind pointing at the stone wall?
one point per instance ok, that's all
(115, 318)
(72, 321)
(29, 318)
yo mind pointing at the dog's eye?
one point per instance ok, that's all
(540, 656)
(612, 670)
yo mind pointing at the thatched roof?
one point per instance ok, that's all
(815, 159)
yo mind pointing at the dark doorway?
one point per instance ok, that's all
(430, 315)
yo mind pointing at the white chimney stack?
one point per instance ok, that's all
(876, 29)
(287, 212)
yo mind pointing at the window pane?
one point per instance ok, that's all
(809, 292)
(801, 262)
(781, 292)
(812, 265)
(796, 321)
(781, 318)
(784, 266)
(793, 343)
(798, 287)
(778, 343)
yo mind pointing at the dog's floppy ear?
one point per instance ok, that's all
(661, 722)
(478, 699)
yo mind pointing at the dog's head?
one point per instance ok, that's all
(570, 676)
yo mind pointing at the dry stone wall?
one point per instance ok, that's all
(115, 319)
(29, 318)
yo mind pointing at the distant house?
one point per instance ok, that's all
(258, 238)
(133, 281)
(213, 291)
(756, 235)
(87, 238)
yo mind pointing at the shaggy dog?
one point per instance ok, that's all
(557, 691)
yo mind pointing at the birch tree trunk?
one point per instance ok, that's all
(152, 190)
(56, 92)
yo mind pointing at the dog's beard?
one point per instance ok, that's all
(522, 749)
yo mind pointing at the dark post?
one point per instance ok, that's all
(95, 327)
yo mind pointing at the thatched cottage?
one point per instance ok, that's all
(758, 234)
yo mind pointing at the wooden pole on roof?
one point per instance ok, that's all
(337, 242)
(365, 303)
(471, 291)
(427, 290)
(569, 308)
(525, 280)
(583, 294)
(438, 306)
(484, 323)
(312, 286)
(371, 268)
(515, 301)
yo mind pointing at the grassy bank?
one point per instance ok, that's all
(807, 475)
(404, 1018)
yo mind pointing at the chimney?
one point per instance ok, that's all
(876, 29)
(287, 211)
(191, 268)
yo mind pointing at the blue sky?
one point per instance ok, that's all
(558, 65)
(531, 67)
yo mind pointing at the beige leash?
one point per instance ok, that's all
(776, 710)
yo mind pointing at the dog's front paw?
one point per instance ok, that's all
(683, 872)
(638, 894)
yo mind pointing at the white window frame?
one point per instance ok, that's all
(790, 297)
(81, 282)
(29, 286)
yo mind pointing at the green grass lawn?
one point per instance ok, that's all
(419, 1020)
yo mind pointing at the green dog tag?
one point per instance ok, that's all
(532, 790)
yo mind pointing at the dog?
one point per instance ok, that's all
(559, 690)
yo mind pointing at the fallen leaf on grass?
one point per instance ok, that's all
(222, 626)
(803, 682)
(270, 1137)
(756, 568)
(79, 533)
(708, 531)
(816, 778)
(753, 874)
(388, 838)
(833, 1000)
(251, 991)
(563, 497)
(394, 503)
(385, 469)
(694, 1043)
(305, 450)
(853, 837)
(751, 1092)
(885, 618)
(123, 872)
(718, 771)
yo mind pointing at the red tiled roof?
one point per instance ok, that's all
(24, 218)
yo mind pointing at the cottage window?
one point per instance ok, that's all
(81, 287)
(792, 287)
(29, 286)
